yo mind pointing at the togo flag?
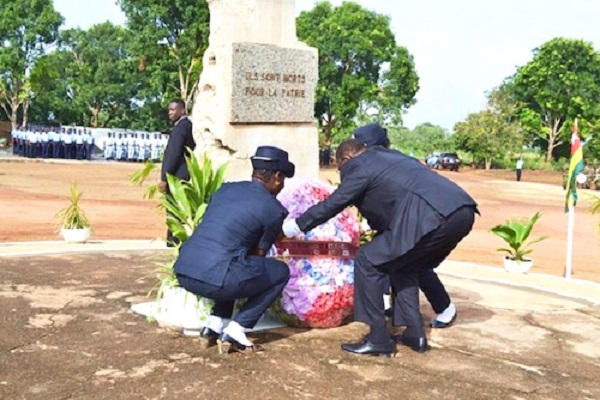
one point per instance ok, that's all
(575, 167)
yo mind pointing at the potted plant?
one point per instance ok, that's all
(515, 233)
(74, 224)
(187, 201)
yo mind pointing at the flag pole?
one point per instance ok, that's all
(570, 229)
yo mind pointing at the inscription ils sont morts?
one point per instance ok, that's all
(276, 87)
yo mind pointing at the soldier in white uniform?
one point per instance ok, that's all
(33, 142)
(156, 147)
(130, 147)
(79, 144)
(147, 147)
(89, 144)
(109, 144)
(68, 141)
(164, 139)
(141, 146)
(119, 147)
(44, 140)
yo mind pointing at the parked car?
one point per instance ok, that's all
(449, 161)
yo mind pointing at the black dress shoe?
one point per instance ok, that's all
(365, 347)
(418, 344)
(210, 335)
(440, 325)
(227, 343)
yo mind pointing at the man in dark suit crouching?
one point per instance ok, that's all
(419, 216)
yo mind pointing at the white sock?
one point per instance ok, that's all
(215, 323)
(237, 332)
(447, 315)
(386, 301)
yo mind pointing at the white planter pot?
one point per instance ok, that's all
(76, 235)
(179, 307)
(517, 266)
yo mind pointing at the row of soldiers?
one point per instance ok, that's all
(134, 146)
(52, 142)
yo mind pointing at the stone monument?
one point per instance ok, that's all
(257, 87)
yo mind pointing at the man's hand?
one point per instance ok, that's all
(290, 228)
(162, 186)
(364, 226)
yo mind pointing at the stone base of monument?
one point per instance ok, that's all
(181, 309)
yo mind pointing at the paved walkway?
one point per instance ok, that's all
(572, 288)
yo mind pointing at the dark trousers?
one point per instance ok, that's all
(56, 149)
(404, 273)
(44, 149)
(68, 150)
(79, 149)
(519, 171)
(260, 291)
(431, 286)
(172, 241)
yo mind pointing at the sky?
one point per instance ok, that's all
(461, 48)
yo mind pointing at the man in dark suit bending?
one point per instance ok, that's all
(174, 157)
(419, 216)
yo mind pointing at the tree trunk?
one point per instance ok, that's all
(553, 138)
(94, 120)
(488, 163)
(25, 111)
(14, 105)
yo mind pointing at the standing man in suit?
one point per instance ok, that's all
(173, 162)
(373, 135)
(224, 259)
(416, 228)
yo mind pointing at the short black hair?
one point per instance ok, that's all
(263, 174)
(348, 147)
(180, 103)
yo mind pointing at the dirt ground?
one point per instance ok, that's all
(67, 333)
(31, 193)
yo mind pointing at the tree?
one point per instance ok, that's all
(562, 82)
(360, 65)
(26, 29)
(88, 80)
(170, 38)
(100, 72)
(423, 139)
(52, 99)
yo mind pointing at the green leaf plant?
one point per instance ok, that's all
(139, 177)
(72, 216)
(188, 200)
(186, 204)
(515, 233)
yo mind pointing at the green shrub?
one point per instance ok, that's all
(72, 216)
(515, 233)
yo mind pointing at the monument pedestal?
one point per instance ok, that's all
(257, 87)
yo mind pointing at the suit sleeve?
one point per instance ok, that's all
(354, 183)
(271, 233)
(174, 153)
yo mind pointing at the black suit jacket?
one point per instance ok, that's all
(174, 158)
(401, 198)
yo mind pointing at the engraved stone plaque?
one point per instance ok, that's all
(272, 84)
